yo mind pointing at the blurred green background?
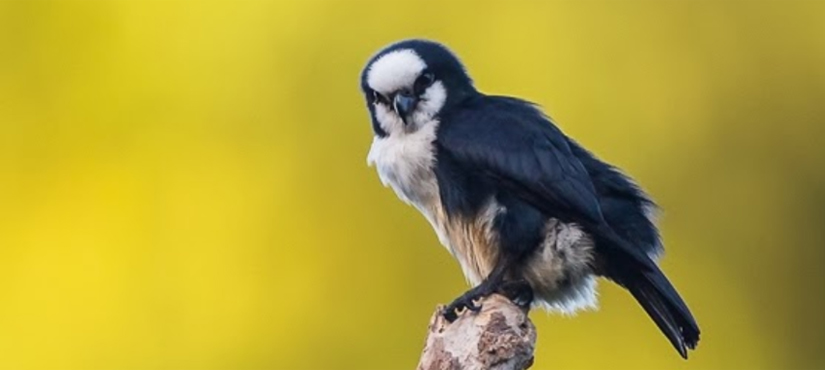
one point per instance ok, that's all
(183, 185)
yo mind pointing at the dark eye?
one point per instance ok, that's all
(378, 98)
(424, 81)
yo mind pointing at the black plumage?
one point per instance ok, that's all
(494, 147)
(508, 142)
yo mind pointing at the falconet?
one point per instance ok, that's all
(527, 211)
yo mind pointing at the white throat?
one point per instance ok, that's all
(405, 161)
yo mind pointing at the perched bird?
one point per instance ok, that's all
(525, 210)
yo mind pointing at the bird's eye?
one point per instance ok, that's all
(424, 81)
(378, 98)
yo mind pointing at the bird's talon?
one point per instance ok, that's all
(450, 316)
(519, 292)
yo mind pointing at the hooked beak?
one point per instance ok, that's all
(404, 104)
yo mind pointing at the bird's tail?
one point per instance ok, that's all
(633, 269)
(660, 300)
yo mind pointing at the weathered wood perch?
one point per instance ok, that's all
(500, 336)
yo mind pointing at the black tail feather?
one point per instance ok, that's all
(681, 331)
(634, 270)
(669, 296)
(661, 302)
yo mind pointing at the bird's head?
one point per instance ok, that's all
(410, 83)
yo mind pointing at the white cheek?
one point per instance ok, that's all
(431, 102)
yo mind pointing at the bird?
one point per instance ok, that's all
(526, 210)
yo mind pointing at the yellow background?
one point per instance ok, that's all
(183, 185)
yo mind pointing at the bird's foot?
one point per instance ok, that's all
(519, 292)
(467, 302)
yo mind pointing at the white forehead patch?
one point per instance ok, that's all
(395, 70)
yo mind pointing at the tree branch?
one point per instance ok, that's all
(500, 336)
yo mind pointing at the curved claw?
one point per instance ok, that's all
(450, 316)
(465, 302)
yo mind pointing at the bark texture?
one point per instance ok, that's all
(500, 336)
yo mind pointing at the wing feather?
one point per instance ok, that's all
(513, 142)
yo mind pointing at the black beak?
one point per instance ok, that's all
(404, 103)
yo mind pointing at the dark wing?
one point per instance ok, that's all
(512, 142)
(625, 206)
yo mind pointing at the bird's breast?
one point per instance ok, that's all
(405, 162)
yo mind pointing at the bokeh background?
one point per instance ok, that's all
(183, 185)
